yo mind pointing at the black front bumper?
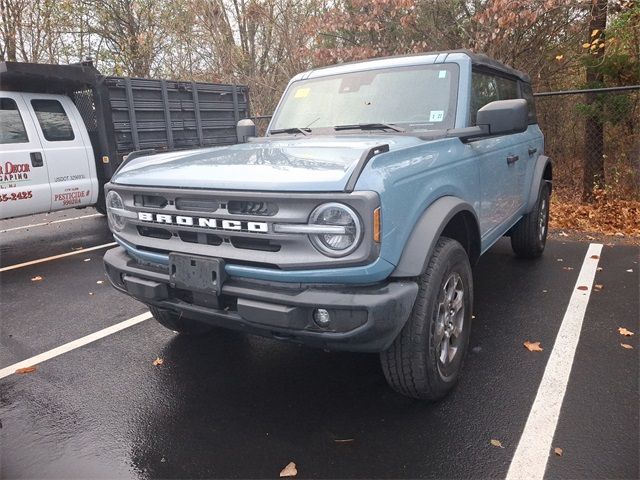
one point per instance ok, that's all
(363, 318)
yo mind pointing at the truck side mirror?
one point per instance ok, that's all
(503, 117)
(245, 129)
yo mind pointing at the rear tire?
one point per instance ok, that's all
(178, 323)
(425, 360)
(529, 236)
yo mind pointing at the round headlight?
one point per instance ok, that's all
(346, 239)
(115, 204)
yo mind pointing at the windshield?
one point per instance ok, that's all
(414, 98)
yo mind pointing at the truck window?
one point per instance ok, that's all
(420, 97)
(483, 90)
(487, 88)
(527, 94)
(11, 125)
(507, 89)
(53, 120)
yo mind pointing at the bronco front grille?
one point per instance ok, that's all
(238, 226)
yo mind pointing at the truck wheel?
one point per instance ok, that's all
(177, 323)
(426, 357)
(529, 236)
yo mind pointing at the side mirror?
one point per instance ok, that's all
(245, 129)
(504, 116)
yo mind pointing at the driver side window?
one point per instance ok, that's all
(483, 90)
(487, 88)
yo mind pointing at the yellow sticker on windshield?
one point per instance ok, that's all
(302, 92)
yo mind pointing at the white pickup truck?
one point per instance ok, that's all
(46, 158)
(65, 129)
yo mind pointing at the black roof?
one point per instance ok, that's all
(477, 59)
(482, 60)
(47, 78)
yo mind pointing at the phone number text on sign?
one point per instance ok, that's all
(10, 197)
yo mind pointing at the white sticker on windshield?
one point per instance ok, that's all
(442, 74)
(436, 115)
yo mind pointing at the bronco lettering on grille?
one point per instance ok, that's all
(203, 222)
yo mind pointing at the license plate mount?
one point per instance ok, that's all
(194, 273)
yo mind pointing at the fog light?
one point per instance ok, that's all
(321, 317)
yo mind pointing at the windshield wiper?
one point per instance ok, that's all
(370, 126)
(304, 130)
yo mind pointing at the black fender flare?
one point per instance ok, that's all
(426, 232)
(538, 173)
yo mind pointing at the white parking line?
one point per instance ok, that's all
(49, 223)
(55, 257)
(80, 342)
(534, 448)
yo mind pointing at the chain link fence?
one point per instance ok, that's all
(593, 138)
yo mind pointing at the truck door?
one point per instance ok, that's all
(67, 150)
(501, 159)
(24, 180)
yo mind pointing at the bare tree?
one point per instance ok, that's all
(133, 32)
(11, 19)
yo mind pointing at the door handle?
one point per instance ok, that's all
(36, 159)
(511, 159)
(532, 150)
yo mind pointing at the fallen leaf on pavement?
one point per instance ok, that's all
(158, 361)
(627, 346)
(557, 451)
(344, 440)
(496, 443)
(532, 346)
(37, 278)
(289, 471)
(625, 332)
(597, 287)
(31, 369)
(583, 287)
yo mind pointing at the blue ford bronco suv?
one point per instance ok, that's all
(354, 223)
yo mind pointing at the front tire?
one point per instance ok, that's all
(425, 360)
(178, 323)
(529, 236)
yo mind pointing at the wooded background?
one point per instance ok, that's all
(562, 44)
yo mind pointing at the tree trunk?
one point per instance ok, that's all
(10, 20)
(593, 173)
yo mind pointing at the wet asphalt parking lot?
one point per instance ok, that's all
(234, 406)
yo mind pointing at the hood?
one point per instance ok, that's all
(321, 163)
